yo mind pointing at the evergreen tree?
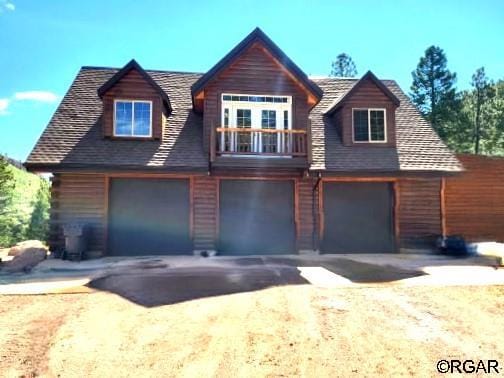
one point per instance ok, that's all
(483, 93)
(433, 90)
(343, 66)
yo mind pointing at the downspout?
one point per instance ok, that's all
(315, 231)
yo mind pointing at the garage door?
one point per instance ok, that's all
(149, 217)
(358, 218)
(256, 217)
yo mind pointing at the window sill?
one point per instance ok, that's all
(132, 138)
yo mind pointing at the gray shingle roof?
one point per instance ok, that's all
(74, 138)
(419, 148)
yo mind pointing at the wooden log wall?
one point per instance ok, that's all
(78, 198)
(474, 200)
(205, 203)
(419, 211)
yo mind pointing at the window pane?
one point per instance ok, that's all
(123, 114)
(243, 118)
(268, 119)
(360, 118)
(142, 119)
(226, 117)
(286, 120)
(377, 124)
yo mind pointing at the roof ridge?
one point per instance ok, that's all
(147, 70)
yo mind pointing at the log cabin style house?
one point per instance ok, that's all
(251, 157)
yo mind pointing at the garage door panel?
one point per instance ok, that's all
(358, 218)
(256, 217)
(149, 216)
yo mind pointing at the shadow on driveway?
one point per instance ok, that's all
(247, 274)
(185, 284)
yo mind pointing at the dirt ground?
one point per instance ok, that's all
(258, 324)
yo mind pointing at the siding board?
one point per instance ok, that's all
(419, 211)
(474, 200)
(78, 198)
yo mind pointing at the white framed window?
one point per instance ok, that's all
(261, 112)
(369, 125)
(133, 118)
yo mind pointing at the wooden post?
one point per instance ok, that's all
(309, 142)
(397, 204)
(213, 139)
(443, 207)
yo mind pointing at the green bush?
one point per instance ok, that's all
(24, 205)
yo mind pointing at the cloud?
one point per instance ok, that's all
(5, 4)
(41, 96)
(4, 104)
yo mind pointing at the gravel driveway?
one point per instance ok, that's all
(249, 322)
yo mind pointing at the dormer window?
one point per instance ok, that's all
(369, 126)
(133, 118)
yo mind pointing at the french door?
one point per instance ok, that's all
(268, 119)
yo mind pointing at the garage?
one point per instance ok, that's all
(358, 217)
(149, 217)
(256, 217)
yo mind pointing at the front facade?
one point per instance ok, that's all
(252, 157)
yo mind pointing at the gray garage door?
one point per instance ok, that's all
(256, 217)
(149, 217)
(358, 218)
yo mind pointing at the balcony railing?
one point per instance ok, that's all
(259, 142)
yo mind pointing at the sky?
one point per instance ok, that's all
(43, 44)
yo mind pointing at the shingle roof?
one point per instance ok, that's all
(74, 139)
(74, 136)
(419, 148)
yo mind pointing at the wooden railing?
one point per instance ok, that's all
(258, 142)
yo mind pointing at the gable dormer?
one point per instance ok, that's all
(134, 105)
(254, 86)
(365, 114)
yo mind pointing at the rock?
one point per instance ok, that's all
(28, 254)
(22, 246)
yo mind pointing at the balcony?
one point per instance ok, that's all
(255, 147)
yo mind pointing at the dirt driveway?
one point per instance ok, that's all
(250, 322)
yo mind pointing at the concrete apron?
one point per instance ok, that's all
(55, 276)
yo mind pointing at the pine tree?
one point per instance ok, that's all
(343, 66)
(483, 93)
(433, 89)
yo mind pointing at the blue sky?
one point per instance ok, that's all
(44, 43)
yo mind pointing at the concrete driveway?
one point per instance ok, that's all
(191, 277)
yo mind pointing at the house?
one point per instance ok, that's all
(251, 157)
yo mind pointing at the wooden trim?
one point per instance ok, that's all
(191, 209)
(397, 204)
(361, 179)
(309, 141)
(266, 178)
(444, 231)
(251, 130)
(321, 211)
(296, 212)
(106, 215)
(151, 175)
(213, 142)
(217, 213)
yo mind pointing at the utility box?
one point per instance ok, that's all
(75, 240)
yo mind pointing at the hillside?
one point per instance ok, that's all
(26, 215)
